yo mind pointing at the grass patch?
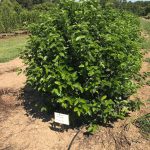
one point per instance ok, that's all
(145, 27)
(11, 47)
(144, 124)
(148, 83)
(146, 44)
(147, 60)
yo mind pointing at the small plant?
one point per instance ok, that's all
(92, 128)
(140, 79)
(148, 82)
(146, 74)
(144, 124)
(85, 58)
(147, 60)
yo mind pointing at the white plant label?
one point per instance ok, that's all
(61, 118)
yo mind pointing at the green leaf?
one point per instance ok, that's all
(103, 98)
(80, 37)
(78, 86)
(57, 82)
(81, 66)
(43, 109)
(55, 91)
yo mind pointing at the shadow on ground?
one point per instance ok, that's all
(35, 104)
(38, 106)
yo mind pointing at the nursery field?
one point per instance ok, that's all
(24, 127)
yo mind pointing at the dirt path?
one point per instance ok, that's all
(18, 130)
(23, 127)
(9, 78)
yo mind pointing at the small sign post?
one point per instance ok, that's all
(61, 118)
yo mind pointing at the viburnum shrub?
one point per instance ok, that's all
(85, 58)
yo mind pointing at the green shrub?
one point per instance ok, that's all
(44, 7)
(28, 17)
(8, 15)
(2, 29)
(84, 58)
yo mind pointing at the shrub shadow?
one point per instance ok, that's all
(33, 102)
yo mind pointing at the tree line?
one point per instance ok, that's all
(141, 8)
(16, 14)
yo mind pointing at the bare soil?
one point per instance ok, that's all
(24, 127)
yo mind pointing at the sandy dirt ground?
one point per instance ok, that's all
(23, 127)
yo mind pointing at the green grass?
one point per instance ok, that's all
(11, 47)
(146, 44)
(147, 60)
(145, 27)
(144, 124)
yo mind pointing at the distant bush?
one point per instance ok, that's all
(28, 17)
(8, 16)
(148, 16)
(47, 6)
(85, 57)
(13, 17)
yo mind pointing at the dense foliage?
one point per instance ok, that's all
(84, 58)
(140, 8)
(8, 15)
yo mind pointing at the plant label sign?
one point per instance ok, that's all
(61, 118)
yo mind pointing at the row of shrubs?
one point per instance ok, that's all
(13, 16)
